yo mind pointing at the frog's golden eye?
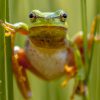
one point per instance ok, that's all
(63, 17)
(32, 16)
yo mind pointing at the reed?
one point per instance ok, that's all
(6, 81)
(94, 73)
(8, 51)
(93, 60)
(2, 55)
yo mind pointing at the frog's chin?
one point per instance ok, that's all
(48, 36)
(50, 43)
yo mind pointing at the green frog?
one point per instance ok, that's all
(48, 52)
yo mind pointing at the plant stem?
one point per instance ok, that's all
(91, 55)
(84, 29)
(6, 79)
(9, 68)
(3, 95)
(8, 57)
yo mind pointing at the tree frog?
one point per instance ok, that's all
(48, 51)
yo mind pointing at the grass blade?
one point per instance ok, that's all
(94, 80)
(8, 51)
(2, 55)
(9, 68)
(84, 29)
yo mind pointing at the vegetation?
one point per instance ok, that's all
(80, 16)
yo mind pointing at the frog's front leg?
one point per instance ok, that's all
(13, 28)
(17, 56)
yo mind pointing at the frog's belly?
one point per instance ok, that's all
(48, 63)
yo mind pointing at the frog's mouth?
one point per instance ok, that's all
(48, 36)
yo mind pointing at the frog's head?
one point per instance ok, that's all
(48, 29)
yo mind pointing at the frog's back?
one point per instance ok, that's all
(48, 63)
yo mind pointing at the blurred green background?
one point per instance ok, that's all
(42, 90)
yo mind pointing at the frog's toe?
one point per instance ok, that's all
(70, 73)
(16, 49)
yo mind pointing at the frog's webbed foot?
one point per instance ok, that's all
(7, 26)
(19, 68)
(79, 85)
(13, 28)
(70, 73)
(70, 67)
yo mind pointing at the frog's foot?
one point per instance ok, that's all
(8, 27)
(71, 72)
(19, 68)
(13, 28)
(80, 89)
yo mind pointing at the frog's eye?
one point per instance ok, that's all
(63, 17)
(32, 16)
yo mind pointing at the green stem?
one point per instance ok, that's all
(6, 79)
(91, 55)
(97, 6)
(9, 68)
(84, 29)
(9, 71)
(3, 95)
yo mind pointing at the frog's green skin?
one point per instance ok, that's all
(48, 53)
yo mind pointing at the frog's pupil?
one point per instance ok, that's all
(65, 15)
(31, 15)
